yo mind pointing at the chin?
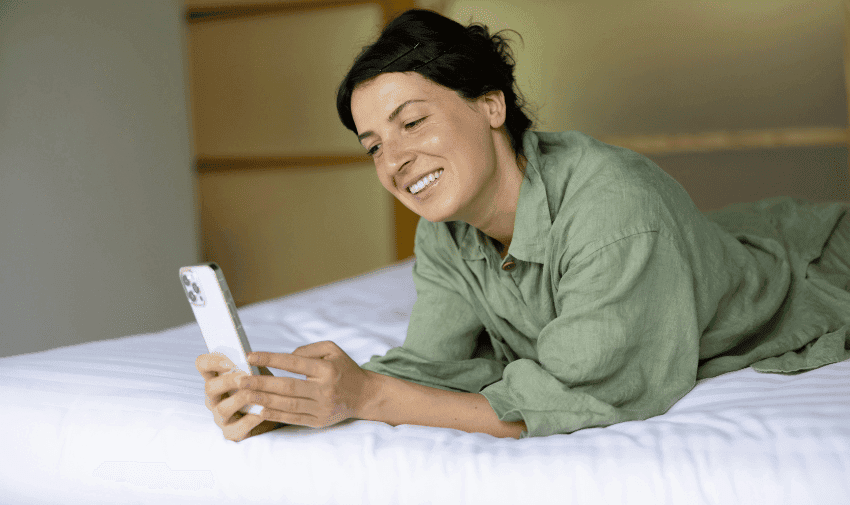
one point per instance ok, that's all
(435, 210)
(437, 217)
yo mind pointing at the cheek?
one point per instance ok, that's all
(434, 137)
(432, 142)
(385, 180)
(465, 139)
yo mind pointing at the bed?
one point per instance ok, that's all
(124, 421)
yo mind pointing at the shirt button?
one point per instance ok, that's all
(508, 266)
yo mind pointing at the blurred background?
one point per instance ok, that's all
(140, 136)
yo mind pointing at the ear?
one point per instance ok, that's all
(494, 105)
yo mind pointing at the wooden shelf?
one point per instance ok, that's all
(645, 144)
(209, 164)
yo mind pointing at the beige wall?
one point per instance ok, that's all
(624, 67)
(614, 67)
(266, 86)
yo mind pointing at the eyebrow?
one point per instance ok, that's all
(392, 116)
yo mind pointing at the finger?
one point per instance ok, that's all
(227, 408)
(212, 402)
(310, 367)
(282, 386)
(212, 364)
(290, 418)
(318, 350)
(265, 427)
(287, 404)
(216, 387)
(236, 432)
(242, 428)
(203, 368)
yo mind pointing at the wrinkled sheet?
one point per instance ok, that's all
(123, 421)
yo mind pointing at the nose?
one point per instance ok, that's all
(396, 156)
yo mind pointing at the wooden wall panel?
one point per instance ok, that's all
(288, 199)
(266, 86)
(275, 232)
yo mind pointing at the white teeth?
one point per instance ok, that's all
(424, 181)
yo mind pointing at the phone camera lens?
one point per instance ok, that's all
(196, 288)
(186, 280)
(192, 296)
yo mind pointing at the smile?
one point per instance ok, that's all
(424, 182)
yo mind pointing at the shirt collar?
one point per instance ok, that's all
(470, 242)
(532, 223)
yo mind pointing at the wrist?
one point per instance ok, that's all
(371, 396)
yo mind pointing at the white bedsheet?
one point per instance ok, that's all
(123, 421)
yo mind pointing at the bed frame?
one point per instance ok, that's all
(650, 144)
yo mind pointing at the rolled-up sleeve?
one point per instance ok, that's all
(623, 346)
(442, 345)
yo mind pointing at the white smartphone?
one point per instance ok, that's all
(215, 311)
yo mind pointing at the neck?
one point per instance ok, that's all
(499, 214)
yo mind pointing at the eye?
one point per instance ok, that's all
(373, 150)
(413, 124)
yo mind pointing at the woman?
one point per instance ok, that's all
(562, 283)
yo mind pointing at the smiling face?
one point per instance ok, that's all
(442, 156)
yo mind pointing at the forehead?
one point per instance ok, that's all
(374, 100)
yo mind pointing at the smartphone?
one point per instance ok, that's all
(215, 311)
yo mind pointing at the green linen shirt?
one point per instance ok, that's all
(616, 293)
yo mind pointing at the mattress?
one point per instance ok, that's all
(124, 421)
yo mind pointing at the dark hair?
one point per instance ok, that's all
(467, 60)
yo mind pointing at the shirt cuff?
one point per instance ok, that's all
(470, 375)
(529, 393)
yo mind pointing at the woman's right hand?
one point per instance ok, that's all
(224, 398)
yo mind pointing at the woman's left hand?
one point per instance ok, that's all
(335, 387)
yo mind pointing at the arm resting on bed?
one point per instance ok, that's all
(396, 401)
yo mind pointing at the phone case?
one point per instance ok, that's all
(215, 311)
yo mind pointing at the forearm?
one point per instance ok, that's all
(395, 401)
